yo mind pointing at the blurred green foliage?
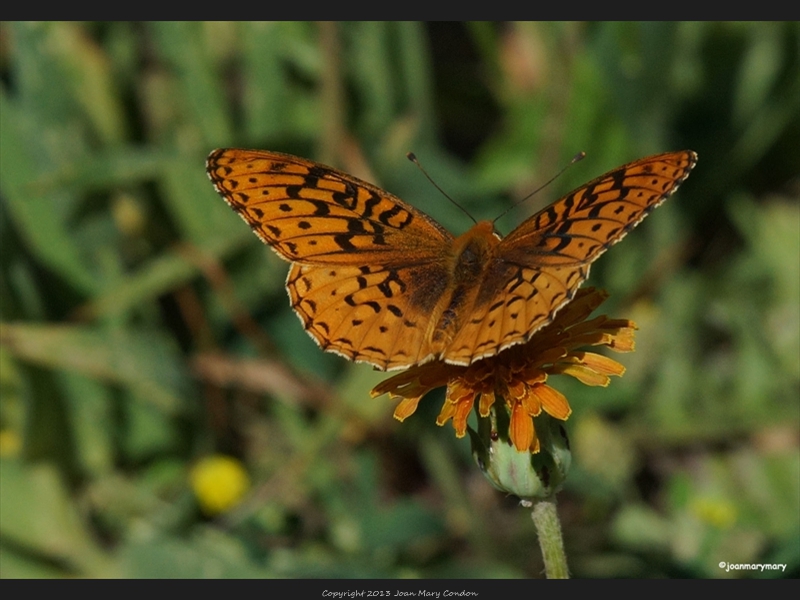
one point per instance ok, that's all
(144, 326)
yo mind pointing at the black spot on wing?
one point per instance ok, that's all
(374, 349)
(321, 208)
(343, 240)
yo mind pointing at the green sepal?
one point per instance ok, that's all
(526, 475)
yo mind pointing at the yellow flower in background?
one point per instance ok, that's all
(10, 443)
(719, 512)
(219, 483)
(518, 376)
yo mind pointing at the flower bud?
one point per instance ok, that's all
(530, 476)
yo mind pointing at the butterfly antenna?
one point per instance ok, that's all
(579, 156)
(413, 158)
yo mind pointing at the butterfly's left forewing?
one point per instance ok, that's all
(590, 219)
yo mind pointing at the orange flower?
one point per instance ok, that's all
(519, 374)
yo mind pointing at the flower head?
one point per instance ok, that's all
(518, 376)
(219, 482)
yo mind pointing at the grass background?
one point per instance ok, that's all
(144, 327)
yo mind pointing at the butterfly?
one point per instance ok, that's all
(378, 281)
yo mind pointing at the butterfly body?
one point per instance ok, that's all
(376, 280)
(471, 257)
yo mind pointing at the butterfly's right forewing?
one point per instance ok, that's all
(314, 214)
(367, 268)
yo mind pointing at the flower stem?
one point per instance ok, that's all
(548, 527)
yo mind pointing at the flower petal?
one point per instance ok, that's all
(406, 408)
(516, 389)
(623, 340)
(447, 412)
(521, 429)
(554, 402)
(486, 401)
(599, 363)
(463, 409)
(531, 403)
(583, 374)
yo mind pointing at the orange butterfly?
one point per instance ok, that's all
(379, 281)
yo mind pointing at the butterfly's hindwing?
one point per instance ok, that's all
(370, 314)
